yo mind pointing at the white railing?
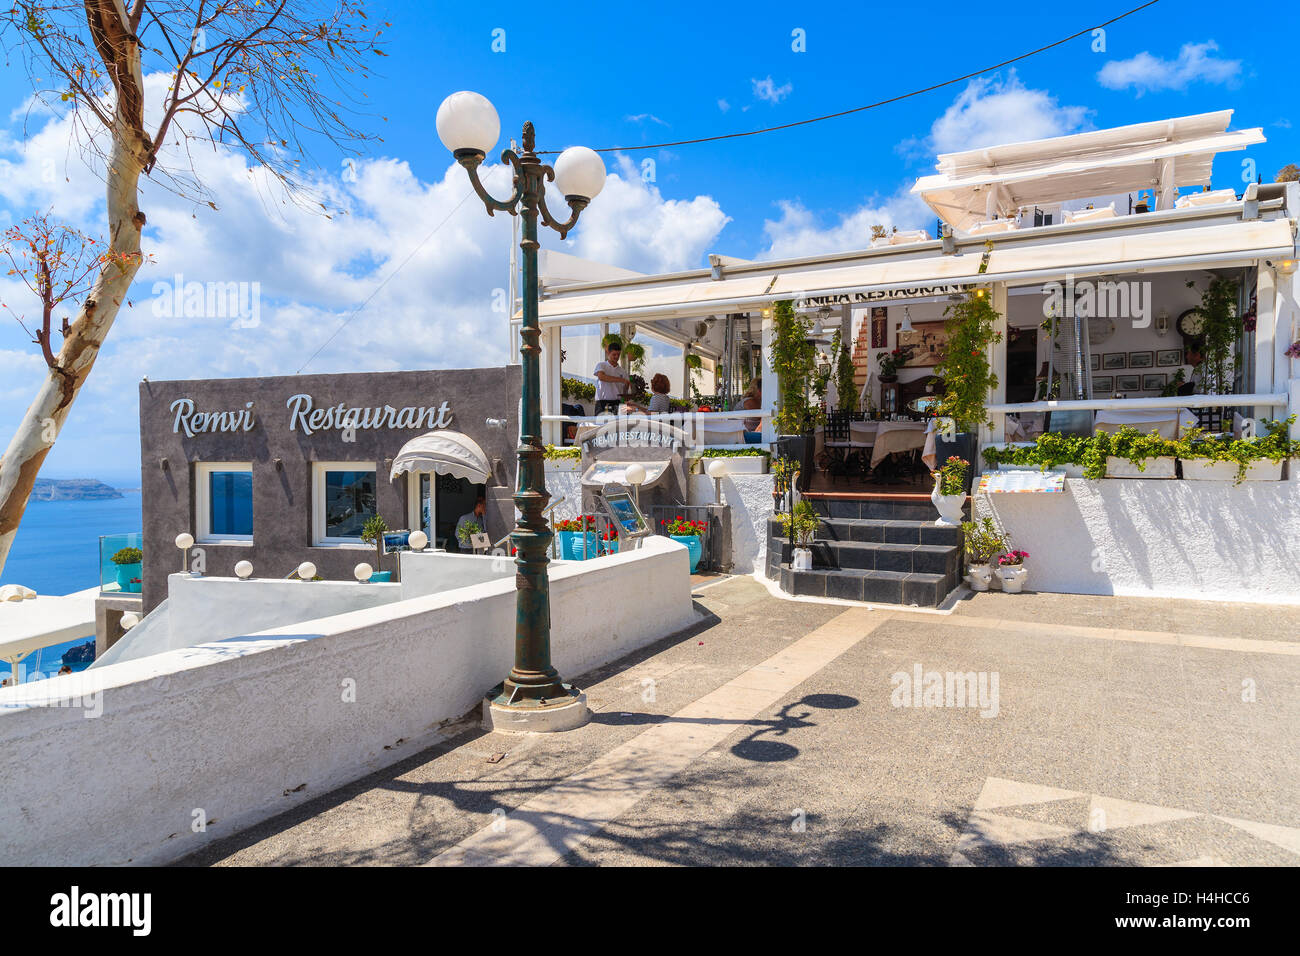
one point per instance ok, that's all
(669, 417)
(1177, 401)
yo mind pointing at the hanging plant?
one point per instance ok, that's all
(1220, 328)
(971, 327)
(635, 353)
(694, 361)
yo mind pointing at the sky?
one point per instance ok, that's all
(415, 268)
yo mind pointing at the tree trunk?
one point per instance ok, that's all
(44, 419)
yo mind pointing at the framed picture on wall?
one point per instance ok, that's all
(1113, 360)
(879, 326)
(929, 341)
(1141, 359)
(1169, 357)
(1128, 383)
(1096, 362)
(1102, 383)
(1153, 381)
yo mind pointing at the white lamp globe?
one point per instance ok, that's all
(418, 540)
(580, 171)
(129, 620)
(468, 121)
(244, 570)
(185, 541)
(362, 572)
(717, 469)
(306, 571)
(635, 474)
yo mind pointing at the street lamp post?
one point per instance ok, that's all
(532, 697)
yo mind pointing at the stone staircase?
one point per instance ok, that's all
(880, 550)
(862, 351)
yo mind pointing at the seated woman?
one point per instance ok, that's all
(660, 404)
(753, 399)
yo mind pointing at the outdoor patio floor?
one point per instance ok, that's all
(767, 735)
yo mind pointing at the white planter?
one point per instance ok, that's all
(949, 507)
(801, 559)
(1202, 469)
(564, 466)
(738, 464)
(1162, 467)
(1070, 471)
(979, 576)
(1013, 577)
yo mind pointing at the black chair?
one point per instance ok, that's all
(569, 409)
(836, 444)
(1209, 419)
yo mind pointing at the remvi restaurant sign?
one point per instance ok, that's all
(877, 295)
(307, 417)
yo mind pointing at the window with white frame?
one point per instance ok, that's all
(343, 499)
(223, 502)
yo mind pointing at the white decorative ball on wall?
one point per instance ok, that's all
(362, 572)
(130, 620)
(418, 541)
(306, 571)
(244, 570)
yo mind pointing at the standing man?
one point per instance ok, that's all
(468, 521)
(611, 381)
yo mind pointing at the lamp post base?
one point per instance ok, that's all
(535, 717)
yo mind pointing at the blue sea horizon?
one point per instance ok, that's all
(56, 551)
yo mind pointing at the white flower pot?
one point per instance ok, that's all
(1202, 469)
(738, 464)
(979, 576)
(1013, 577)
(801, 559)
(1162, 467)
(564, 466)
(1070, 471)
(949, 507)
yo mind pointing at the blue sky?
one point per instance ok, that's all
(617, 75)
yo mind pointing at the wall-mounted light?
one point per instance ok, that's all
(244, 570)
(162, 463)
(185, 541)
(279, 464)
(418, 540)
(362, 572)
(906, 324)
(306, 571)
(1162, 322)
(1286, 267)
(495, 422)
(635, 475)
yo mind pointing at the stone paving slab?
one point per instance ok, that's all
(772, 735)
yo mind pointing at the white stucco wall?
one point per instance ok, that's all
(1207, 540)
(237, 731)
(428, 572)
(750, 500)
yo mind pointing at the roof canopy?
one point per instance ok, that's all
(1084, 165)
(445, 453)
(889, 273)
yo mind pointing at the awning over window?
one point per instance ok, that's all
(445, 453)
(892, 273)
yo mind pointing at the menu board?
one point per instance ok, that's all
(1031, 480)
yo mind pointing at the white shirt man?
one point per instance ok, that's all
(611, 381)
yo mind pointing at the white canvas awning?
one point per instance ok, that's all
(444, 453)
(890, 272)
(45, 620)
(999, 180)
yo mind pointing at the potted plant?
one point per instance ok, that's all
(465, 533)
(971, 328)
(800, 526)
(1129, 454)
(130, 562)
(794, 359)
(949, 495)
(372, 532)
(1051, 451)
(609, 543)
(578, 538)
(1012, 572)
(1206, 458)
(1220, 327)
(982, 542)
(562, 459)
(688, 533)
(783, 472)
(846, 386)
(893, 360)
(740, 461)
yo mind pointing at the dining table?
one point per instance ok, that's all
(886, 437)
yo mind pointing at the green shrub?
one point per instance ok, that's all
(128, 556)
(562, 452)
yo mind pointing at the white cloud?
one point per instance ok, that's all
(643, 118)
(766, 89)
(993, 111)
(798, 233)
(1147, 73)
(724, 105)
(422, 252)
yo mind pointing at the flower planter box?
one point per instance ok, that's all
(738, 464)
(1070, 471)
(564, 466)
(1162, 467)
(1202, 469)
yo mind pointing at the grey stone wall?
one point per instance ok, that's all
(282, 460)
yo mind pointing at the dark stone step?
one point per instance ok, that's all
(878, 587)
(897, 509)
(875, 556)
(885, 530)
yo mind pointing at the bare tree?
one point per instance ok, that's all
(1290, 173)
(267, 78)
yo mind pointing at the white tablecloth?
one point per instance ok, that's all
(722, 431)
(885, 438)
(1167, 421)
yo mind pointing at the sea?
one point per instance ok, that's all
(56, 551)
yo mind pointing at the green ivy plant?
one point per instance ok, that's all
(561, 452)
(845, 385)
(793, 359)
(971, 328)
(983, 541)
(754, 452)
(577, 388)
(1219, 331)
(1049, 450)
(1129, 444)
(1275, 446)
